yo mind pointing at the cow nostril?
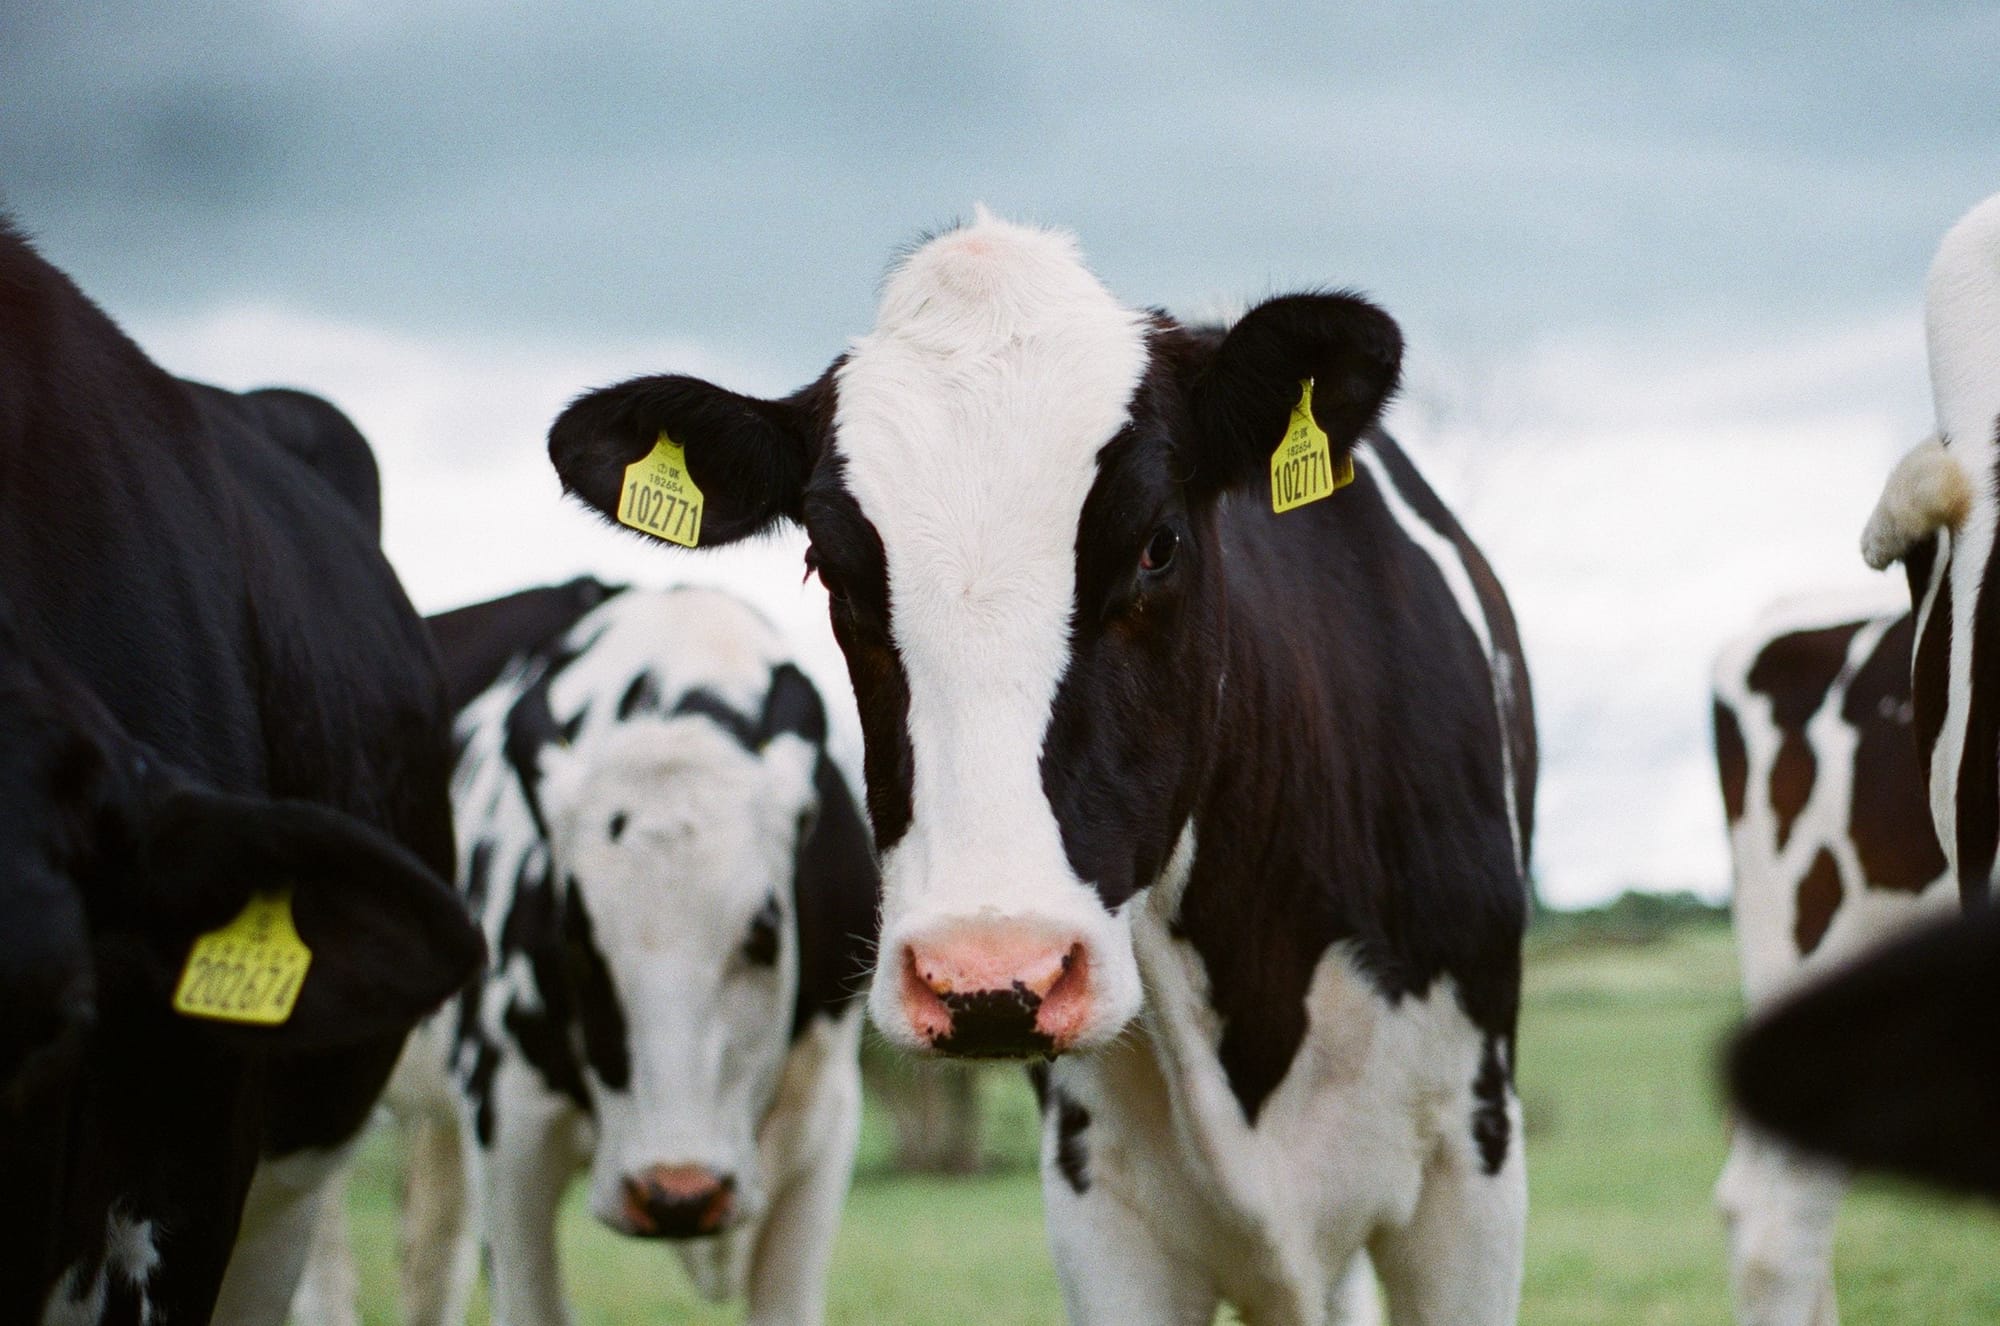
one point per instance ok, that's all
(678, 1201)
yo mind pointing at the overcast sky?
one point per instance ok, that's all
(1658, 265)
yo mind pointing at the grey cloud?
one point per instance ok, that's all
(740, 175)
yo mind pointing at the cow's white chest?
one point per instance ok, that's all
(1274, 1212)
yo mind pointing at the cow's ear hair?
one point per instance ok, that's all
(1243, 390)
(389, 939)
(749, 457)
(1891, 1064)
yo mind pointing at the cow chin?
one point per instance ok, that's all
(1005, 985)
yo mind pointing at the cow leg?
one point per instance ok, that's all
(279, 1217)
(329, 1290)
(1459, 1259)
(1781, 1210)
(795, 1246)
(1355, 1301)
(521, 1181)
(1111, 1267)
(439, 1255)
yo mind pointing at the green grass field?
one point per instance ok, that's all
(1625, 1140)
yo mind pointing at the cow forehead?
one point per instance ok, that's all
(704, 825)
(970, 419)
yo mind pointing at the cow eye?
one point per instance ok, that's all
(617, 825)
(760, 945)
(1159, 551)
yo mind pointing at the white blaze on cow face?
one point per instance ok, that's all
(969, 422)
(681, 844)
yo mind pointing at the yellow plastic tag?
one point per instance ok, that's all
(660, 498)
(1302, 468)
(250, 970)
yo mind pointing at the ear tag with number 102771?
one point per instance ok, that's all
(1302, 468)
(660, 498)
(251, 970)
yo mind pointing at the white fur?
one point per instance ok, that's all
(1781, 1206)
(709, 833)
(1927, 491)
(279, 1214)
(131, 1255)
(970, 420)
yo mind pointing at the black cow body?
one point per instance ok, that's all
(247, 702)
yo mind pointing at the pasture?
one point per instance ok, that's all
(1626, 1137)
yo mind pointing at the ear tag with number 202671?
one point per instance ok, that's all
(659, 497)
(251, 970)
(1302, 468)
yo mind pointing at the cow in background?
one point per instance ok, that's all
(219, 710)
(679, 898)
(1833, 853)
(1199, 753)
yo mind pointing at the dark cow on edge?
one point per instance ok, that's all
(1937, 514)
(679, 899)
(1224, 810)
(1833, 853)
(1891, 1064)
(212, 690)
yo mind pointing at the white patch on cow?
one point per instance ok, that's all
(279, 1212)
(1366, 1141)
(708, 837)
(970, 420)
(1500, 667)
(131, 1256)
(1781, 1206)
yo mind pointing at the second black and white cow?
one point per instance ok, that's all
(224, 822)
(1833, 853)
(1226, 808)
(679, 898)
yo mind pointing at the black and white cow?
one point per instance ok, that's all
(1833, 853)
(1938, 514)
(1228, 809)
(679, 899)
(212, 691)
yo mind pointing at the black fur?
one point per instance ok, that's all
(214, 683)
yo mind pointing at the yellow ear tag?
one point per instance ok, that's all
(1302, 468)
(660, 498)
(250, 970)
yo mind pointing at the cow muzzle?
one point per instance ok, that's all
(678, 1202)
(981, 991)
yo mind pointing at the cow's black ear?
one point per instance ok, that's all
(389, 940)
(1892, 1064)
(1243, 393)
(749, 457)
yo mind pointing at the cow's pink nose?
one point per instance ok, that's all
(995, 993)
(678, 1202)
